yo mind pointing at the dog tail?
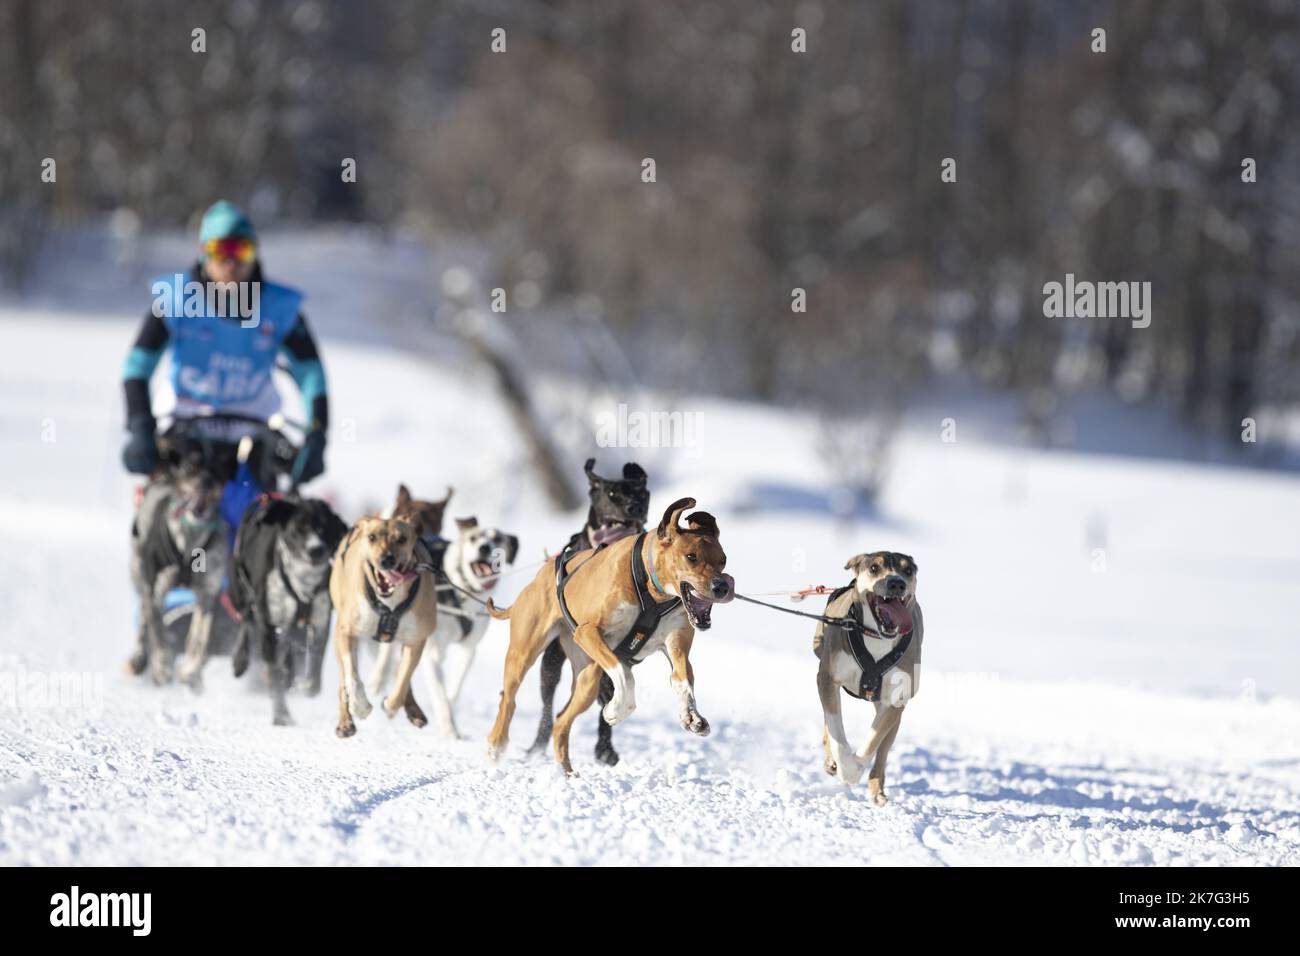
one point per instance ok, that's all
(501, 614)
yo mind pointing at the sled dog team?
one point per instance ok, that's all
(617, 594)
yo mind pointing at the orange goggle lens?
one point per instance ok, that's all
(238, 248)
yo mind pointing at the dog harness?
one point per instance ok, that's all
(448, 597)
(302, 606)
(389, 617)
(873, 671)
(651, 613)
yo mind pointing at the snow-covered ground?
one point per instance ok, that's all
(1139, 708)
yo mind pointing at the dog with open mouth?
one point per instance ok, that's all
(619, 507)
(279, 584)
(471, 564)
(611, 609)
(178, 539)
(381, 590)
(879, 661)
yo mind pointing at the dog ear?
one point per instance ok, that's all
(403, 497)
(634, 473)
(335, 528)
(277, 512)
(446, 498)
(703, 522)
(464, 524)
(673, 515)
(593, 479)
(857, 563)
(512, 548)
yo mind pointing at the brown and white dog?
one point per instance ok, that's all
(681, 562)
(884, 668)
(379, 592)
(425, 515)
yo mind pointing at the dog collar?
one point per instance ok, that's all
(654, 578)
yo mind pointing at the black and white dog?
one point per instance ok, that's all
(279, 583)
(177, 540)
(618, 508)
(472, 562)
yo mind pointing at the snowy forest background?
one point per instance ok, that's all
(776, 170)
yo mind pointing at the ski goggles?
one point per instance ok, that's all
(239, 248)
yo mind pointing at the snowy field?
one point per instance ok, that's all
(1147, 713)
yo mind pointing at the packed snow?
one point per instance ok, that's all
(1110, 670)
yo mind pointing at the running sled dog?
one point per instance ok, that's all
(619, 507)
(613, 608)
(381, 589)
(279, 577)
(471, 563)
(177, 540)
(879, 661)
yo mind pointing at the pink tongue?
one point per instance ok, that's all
(893, 616)
(397, 577)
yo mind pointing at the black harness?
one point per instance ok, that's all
(389, 617)
(651, 613)
(302, 606)
(448, 595)
(160, 551)
(873, 671)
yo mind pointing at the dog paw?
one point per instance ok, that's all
(283, 719)
(345, 730)
(361, 707)
(616, 715)
(876, 791)
(695, 723)
(308, 686)
(161, 674)
(416, 716)
(607, 755)
(136, 663)
(849, 771)
(390, 708)
(830, 767)
(494, 752)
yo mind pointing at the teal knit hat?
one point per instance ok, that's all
(225, 220)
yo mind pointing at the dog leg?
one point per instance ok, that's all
(139, 658)
(190, 670)
(317, 628)
(876, 779)
(884, 725)
(840, 761)
(443, 714)
(589, 638)
(239, 657)
(605, 751)
(585, 689)
(678, 648)
(402, 688)
(280, 669)
(352, 696)
(379, 674)
(525, 648)
(160, 655)
(551, 669)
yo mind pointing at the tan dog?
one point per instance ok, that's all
(883, 667)
(379, 593)
(683, 575)
(425, 515)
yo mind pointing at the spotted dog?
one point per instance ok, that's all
(279, 584)
(879, 662)
(177, 540)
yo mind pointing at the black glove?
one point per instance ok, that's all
(310, 462)
(140, 456)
